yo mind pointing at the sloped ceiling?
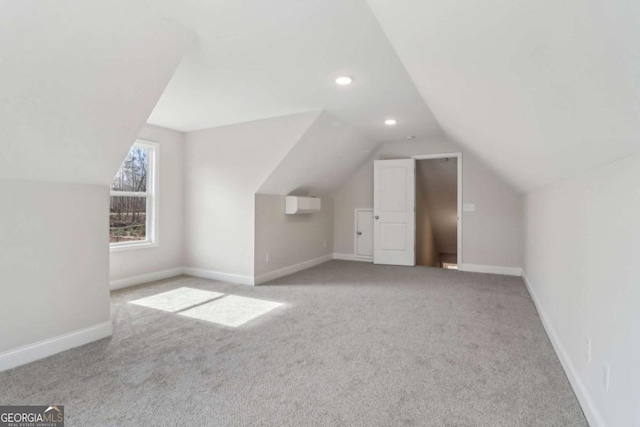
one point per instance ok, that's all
(328, 153)
(79, 79)
(257, 59)
(542, 90)
(241, 157)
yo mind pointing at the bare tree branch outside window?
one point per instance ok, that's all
(128, 213)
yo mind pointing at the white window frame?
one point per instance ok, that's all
(152, 197)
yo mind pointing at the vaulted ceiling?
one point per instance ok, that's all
(257, 59)
(79, 80)
(322, 160)
(542, 90)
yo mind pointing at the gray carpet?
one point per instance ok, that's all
(354, 345)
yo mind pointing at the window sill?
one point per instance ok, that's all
(132, 246)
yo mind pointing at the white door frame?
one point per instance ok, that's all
(458, 157)
(355, 235)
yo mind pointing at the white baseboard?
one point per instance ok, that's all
(248, 280)
(509, 271)
(145, 278)
(29, 353)
(477, 268)
(218, 275)
(352, 257)
(591, 413)
(276, 274)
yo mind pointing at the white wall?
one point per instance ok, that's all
(491, 236)
(84, 76)
(224, 167)
(54, 260)
(127, 264)
(290, 239)
(583, 268)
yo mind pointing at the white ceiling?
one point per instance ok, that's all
(327, 145)
(257, 59)
(542, 90)
(78, 81)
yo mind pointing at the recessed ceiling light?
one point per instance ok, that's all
(391, 122)
(344, 80)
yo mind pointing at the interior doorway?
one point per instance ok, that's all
(438, 208)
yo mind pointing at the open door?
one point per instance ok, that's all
(394, 201)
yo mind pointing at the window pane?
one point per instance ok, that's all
(132, 175)
(127, 219)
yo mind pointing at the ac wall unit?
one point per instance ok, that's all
(301, 205)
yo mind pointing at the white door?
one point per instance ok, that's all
(394, 200)
(364, 233)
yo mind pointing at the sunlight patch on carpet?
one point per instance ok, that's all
(231, 310)
(178, 299)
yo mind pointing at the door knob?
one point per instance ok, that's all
(376, 217)
(359, 233)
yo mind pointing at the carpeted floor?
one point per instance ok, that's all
(353, 345)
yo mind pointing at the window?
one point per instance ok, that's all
(133, 207)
